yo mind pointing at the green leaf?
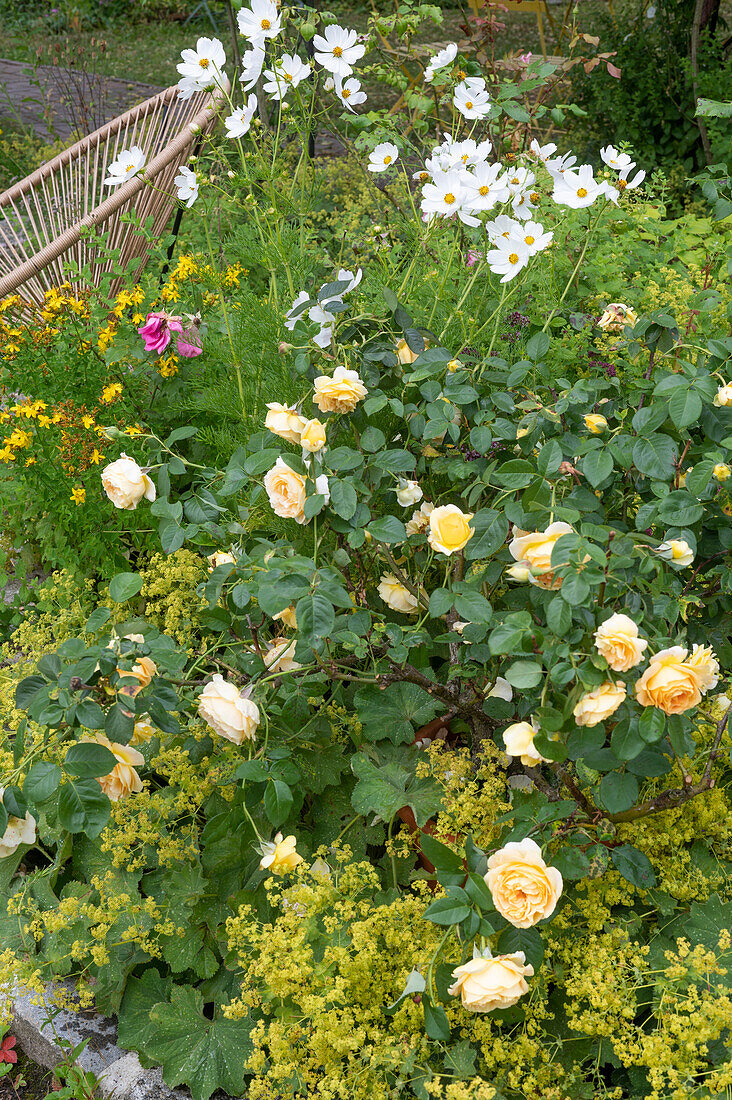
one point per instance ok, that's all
(549, 458)
(204, 1054)
(27, 690)
(618, 791)
(135, 1028)
(124, 586)
(436, 1023)
(388, 529)
(517, 473)
(90, 715)
(42, 781)
(83, 807)
(524, 674)
(651, 725)
(684, 406)
(96, 620)
(572, 863)
(441, 600)
(634, 866)
(119, 724)
(559, 616)
(442, 858)
(491, 529)
(172, 537)
(596, 466)
(537, 345)
(395, 713)
(14, 802)
(527, 940)
(452, 909)
(473, 607)
(278, 801)
(343, 498)
(655, 456)
(87, 760)
(315, 616)
(680, 509)
(386, 789)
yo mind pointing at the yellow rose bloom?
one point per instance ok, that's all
(420, 520)
(227, 712)
(519, 742)
(123, 779)
(396, 596)
(404, 353)
(595, 423)
(286, 491)
(285, 422)
(143, 671)
(312, 437)
(279, 656)
(523, 888)
(722, 471)
(144, 730)
(341, 393)
(220, 557)
(673, 684)
(617, 641)
(288, 617)
(534, 550)
(677, 551)
(706, 665)
(596, 706)
(280, 856)
(449, 529)
(486, 984)
(723, 396)
(615, 316)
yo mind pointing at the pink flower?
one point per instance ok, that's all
(525, 57)
(189, 342)
(156, 332)
(472, 258)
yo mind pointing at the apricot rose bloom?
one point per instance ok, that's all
(143, 671)
(280, 656)
(519, 741)
(674, 684)
(341, 393)
(595, 423)
(220, 557)
(123, 779)
(144, 730)
(420, 520)
(596, 706)
(534, 549)
(616, 316)
(485, 984)
(312, 436)
(286, 491)
(404, 353)
(396, 596)
(227, 712)
(125, 483)
(449, 529)
(285, 422)
(617, 641)
(287, 616)
(523, 888)
(279, 856)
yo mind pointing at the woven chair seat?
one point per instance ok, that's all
(42, 217)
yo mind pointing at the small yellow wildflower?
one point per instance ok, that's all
(78, 494)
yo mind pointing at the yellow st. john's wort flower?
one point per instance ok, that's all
(78, 494)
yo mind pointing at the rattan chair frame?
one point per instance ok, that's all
(43, 218)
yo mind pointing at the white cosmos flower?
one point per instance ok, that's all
(543, 152)
(447, 196)
(126, 165)
(202, 67)
(508, 258)
(338, 50)
(384, 155)
(187, 185)
(533, 236)
(485, 186)
(502, 227)
(261, 21)
(251, 66)
(239, 121)
(466, 153)
(577, 189)
(519, 180)
(614, 159)
(349, 92)
(557, 165)
(624, 183)
(471, 98)
(525, 204)
(286, 73)
(441, 59)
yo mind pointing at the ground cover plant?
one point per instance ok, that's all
(385, 751)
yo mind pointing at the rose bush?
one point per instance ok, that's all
(448, 659)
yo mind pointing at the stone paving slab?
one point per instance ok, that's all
(59, 103)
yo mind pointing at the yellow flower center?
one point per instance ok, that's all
(513, 258)
(483, 190)
(534, 196)
(337, 51)
(515, 180)
(621, 185)
(464, 158)
(387, 160)
(346, 93)
(204, 62)
(469, 104)
(582, 192)
(449, 198)
(529, 240)
(287, 77)
(423, 176)
(129, 167)
(265, 24)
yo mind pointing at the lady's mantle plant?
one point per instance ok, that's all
(521, 560)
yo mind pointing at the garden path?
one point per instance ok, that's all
(55, 102)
